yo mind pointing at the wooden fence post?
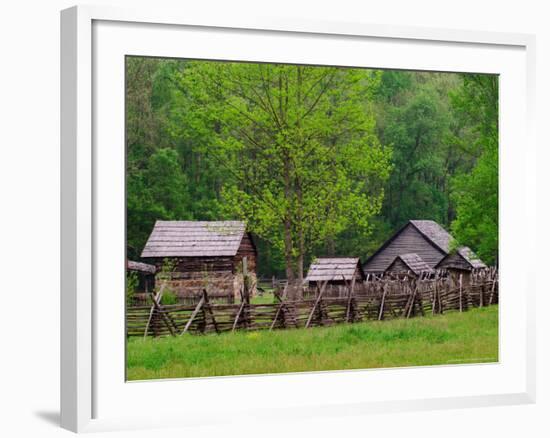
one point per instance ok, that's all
(460, 292)
(277, 313)
(158, 295)
(239, 312)
(316, 303)
(434, 297)
(160, 311)
(481, 288)
(492, 290)
(208, 307)
(444, 286)
(381, 312)
(350, 295)
(193, 315)
(412, 299)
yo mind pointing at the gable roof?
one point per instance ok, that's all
(414, 262)
(140, 267)
(434, 232)
(334, 268)
(468, 255)
(464, 253)
(194, 239)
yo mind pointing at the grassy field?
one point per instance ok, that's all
(265, 298)
(452, 338)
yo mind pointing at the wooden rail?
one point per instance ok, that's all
(382, 299)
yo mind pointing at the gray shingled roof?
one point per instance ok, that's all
(434, 232)
(471, 257)
(336, 268)
(194, 239)
(140, 267)
(414, 262)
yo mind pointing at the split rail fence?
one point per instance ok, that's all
(381, 298)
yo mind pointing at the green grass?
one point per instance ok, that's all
(266, 298)
(469, 337)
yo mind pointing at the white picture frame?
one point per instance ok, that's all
(93, 39)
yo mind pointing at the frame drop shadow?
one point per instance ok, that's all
(51, 417)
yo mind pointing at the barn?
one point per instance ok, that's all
(195, 255)
(409, 263)
(426, 238)
(338, 272)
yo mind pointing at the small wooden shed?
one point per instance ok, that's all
(338, 272)
(410, 263)
(460, 264)
(463, 259)
(145, 274)
(203, 255)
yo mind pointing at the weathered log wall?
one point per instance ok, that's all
(221, 276)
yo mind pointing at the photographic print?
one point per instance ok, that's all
(291, 218)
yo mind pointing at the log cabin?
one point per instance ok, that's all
(194, 255)
(338, 272)
(426, 238)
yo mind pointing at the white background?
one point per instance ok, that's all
(29, 219)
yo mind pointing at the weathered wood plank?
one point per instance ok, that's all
(193, 315)
(317, 301)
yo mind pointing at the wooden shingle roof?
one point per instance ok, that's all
(140, 267)
(194, 239)
(424, 237)
(414, 262)
(335, 268)
(434, 232)
(468, 255)
(462, 259)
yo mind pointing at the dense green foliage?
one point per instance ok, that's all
(317, 160)
(452, 338)
(476, 192)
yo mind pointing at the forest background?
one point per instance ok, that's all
(318, 161)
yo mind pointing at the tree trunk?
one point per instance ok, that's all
(331, 246)
(288, 252)
(298, 188)
(287, 223)
(300, 267)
